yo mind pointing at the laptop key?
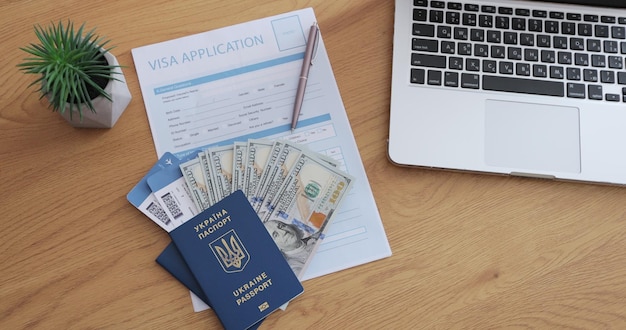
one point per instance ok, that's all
(598, 61)
(595, 92)
(469, 80)
(502, 22)
(505, 67)
(612, 97)
(423, 30)
(488, 9)
(472, 64)
(518, 24)
(556, 72)
(568, 28)
(610, 46)
(607, 77)
(451, 79)
(548, 56)
(437, 4)
(434, 77)
(453, 17)
(469, 19)
(590, 18)
(477, 35)
(602, 31)
(425, 45)
(535, 25)
(585, 29)
(552, 27)
(615, 62)
(523, 85)
(455, 5)
(436, 16)
(448, 47)
(444, 31)
(540, 70)
(420, 15)
(455, 63)
(418, 76)
(431, 61)
(471, 7)
(460, 33)
(485, 21)
(608, 19)
(464, 48)
(618, 32)
(576, 90)
(490, 66)
(573, 74)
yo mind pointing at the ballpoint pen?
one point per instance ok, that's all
(304, 73)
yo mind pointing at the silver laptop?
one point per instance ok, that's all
(528, 88)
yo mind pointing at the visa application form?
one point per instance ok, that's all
(238, 83)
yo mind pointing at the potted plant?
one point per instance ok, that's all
(78, 74)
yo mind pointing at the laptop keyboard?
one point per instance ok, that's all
(520, 50)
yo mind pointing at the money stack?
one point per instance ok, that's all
(294, 190)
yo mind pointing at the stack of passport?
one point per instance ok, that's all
(247, 216)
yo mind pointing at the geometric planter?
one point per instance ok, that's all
(107, 112)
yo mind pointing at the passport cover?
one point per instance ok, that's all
(236, 262)
(171, 260)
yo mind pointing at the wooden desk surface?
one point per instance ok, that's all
(469, 251)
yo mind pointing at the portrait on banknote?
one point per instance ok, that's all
(291, 242)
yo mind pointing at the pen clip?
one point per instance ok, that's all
(317, 41)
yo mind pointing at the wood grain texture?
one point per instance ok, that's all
(469, 250)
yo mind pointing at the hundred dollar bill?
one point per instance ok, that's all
(273, 155)
(258, 152)
(240, 152)
(333, 162)
(309, 196)
(208, 177)
(221, 161)
(194, 177)
(277, 174)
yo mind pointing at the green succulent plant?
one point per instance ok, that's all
(71, 66)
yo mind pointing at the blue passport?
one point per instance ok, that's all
(171, 260)
(236, 263)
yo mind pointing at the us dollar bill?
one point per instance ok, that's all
(208, 177)
(311, 185)
(331, 161)
(274, 153)
(221, 162)
(240, 153)
(277, 174)
(308, 198)
(258, 152)
(194, 178)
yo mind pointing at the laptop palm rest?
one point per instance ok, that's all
(527, 137)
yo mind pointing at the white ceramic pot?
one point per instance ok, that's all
(107, 112)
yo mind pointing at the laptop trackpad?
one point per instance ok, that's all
(533, 137)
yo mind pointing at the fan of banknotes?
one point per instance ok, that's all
(294, 190)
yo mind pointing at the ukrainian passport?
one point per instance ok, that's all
(239, 268)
